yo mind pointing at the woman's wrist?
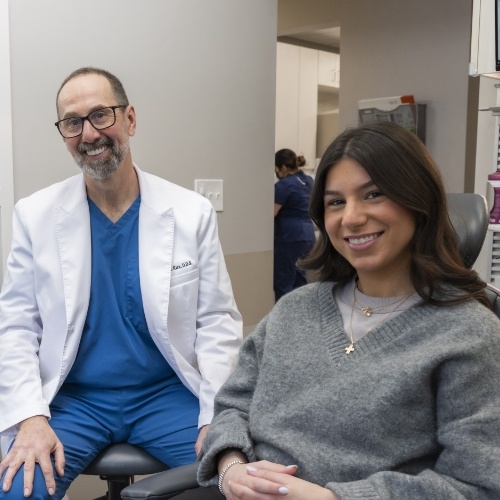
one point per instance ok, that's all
(222, 474)
(227, 456)
(226, 460)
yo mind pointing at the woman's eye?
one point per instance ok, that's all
(374, 194)
(334, 202)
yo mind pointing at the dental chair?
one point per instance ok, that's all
(469, 216)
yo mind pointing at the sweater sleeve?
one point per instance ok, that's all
(468, 433)
(230, 427)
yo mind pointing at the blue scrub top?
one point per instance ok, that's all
(293, 224)
(116, 349)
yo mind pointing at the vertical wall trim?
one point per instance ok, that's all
(6, 147)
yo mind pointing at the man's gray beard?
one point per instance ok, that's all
(103, 168)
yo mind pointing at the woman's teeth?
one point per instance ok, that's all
(365, 239)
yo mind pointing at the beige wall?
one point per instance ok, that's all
(295, 16)
(248, 272)
(395, 47)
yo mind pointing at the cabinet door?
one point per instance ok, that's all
(328, 69)
(297, 100)
(308, 105)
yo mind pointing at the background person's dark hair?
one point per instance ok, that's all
(116, 84)
(403, 170)
(289, 159)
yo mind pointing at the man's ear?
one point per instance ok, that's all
(132, 120)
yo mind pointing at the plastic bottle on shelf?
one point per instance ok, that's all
(494, 180)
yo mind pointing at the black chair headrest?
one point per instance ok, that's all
(469, 216)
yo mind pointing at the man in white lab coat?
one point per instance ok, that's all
(117, 318)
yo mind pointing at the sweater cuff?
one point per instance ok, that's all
(354, 490)
(208, 471)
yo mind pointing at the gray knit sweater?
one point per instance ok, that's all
(413, 413)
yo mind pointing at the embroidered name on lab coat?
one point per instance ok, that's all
(175, 267)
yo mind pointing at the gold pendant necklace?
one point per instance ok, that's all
(367, 310)
(398, 303)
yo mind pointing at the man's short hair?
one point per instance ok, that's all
(116, 84)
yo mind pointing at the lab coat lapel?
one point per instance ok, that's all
(74, 241)
(156, 241)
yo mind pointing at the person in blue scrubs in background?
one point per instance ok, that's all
(293, 228)
(117, 317)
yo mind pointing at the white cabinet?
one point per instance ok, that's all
(299, 73)
(328, 69)
(297, 100)
(483, 44)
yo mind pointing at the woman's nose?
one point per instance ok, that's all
(353, 214)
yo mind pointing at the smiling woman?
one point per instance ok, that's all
(372, 232)
(368, 179)
(397, 329)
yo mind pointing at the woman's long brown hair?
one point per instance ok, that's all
(403, 170)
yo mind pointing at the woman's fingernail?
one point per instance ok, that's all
(26, 492)
(283, 490)
(291, 466)
(251, 469)
(51, 491)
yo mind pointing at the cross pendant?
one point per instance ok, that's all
(349, 349)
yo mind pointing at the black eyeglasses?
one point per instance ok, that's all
(100, 119)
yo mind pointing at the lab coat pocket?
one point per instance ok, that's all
(182, 312)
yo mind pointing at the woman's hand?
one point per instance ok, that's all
(237, 480)
(296, 489)
(268, 481)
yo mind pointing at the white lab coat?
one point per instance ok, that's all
(186, 291)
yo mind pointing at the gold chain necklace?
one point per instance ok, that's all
(367, 310)
(400, 302)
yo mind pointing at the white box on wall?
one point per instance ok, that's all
(482, 47)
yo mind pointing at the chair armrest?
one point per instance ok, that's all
(163, 485)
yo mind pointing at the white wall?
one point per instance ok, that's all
(6, 161)
(395, 47)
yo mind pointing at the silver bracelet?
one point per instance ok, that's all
(223, 473)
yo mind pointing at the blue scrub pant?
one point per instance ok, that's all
(161, 418)
(287, 276)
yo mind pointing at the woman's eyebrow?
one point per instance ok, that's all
(362, 187)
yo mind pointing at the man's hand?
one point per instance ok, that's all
(35, 443)
(201, 438)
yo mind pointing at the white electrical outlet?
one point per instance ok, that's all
(212, 189)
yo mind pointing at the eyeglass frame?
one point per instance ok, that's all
(83, 118)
